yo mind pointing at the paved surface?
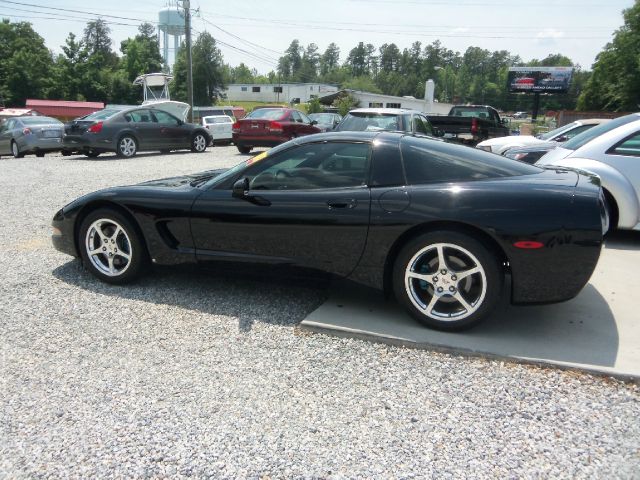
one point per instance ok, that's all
(204, 376)
(597, 331)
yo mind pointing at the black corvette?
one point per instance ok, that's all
(439, 225)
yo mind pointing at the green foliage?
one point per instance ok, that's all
(344, 103)
(615, 82)
(314, 106)
(363, 84)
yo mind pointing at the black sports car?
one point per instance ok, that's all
(440, 225)
(131, 130)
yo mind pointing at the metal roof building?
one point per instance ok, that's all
(63, 109)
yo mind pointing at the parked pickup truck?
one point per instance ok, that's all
(470, 124)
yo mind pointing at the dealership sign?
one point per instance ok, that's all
(539, 79)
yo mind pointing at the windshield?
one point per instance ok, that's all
(585, 137)
(268, 113)
(552, 133)
(39, 120)
(322, 118)
(101, 114)
(369, 121)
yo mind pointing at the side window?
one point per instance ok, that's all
(576, 131)
(164, 118)
(296, 116)
(629, 147)
(304, 118)
(312, 167)
(139, 116)
(422, 125)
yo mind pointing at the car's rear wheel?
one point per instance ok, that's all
(127, 146)
(447, 280)
(92, 154)
(243, 149)
(199, 143)
(39, 154)
(15, 150)
(65, 153)
(110, 247)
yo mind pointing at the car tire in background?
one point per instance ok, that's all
(92, 154)
(447, 280)
(15, 150)
(39, 154)
(110, 247)
(127, 147)
(199, 142)
(243, 149)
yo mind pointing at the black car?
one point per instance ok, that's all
(129, 131)
(438, 224)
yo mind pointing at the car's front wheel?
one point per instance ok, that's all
(127, 147)
(243, 149)
(110, 247)
(15, 150)
(447, 280)
(199, 143)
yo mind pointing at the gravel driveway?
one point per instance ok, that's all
(185, 374)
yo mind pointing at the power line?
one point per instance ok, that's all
(71, 11)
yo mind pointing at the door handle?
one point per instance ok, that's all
(342, 203)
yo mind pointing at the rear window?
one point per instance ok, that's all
(39, 120)
(469, 112)
(585, 137)
(369, 121)
(431, 161)
(101, 114)
(268, 114)
(212, 120)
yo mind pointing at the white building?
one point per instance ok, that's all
(280, 92)
(376, 100)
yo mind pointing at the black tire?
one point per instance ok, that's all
(15, 150)
(165, 151)
(434, 299)
(127, 241)
(612, 211)
(39, 154)
(65, 153)
(92, 154)
(243, 149)
(199, 142)
(127, 146)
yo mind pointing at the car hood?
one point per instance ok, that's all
(172, 182)
(554, 155)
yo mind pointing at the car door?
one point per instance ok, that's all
(172, 132)
(5, 136)
(624, 156)
(307, 207)
(146, 129)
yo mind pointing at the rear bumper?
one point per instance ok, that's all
(36, 144)
(258, 141)
(84, 143)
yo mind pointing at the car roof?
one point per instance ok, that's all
(392, 111)
(361, 136)
(607, 139)
(592, 121)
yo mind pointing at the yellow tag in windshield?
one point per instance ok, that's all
(257, 158)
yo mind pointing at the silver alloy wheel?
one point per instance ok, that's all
(199, 143)
(445, 282)
(127, 146)
(108, 247)
(14, 149)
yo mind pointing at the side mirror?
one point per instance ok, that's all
(314, 122)
(241, 188)
(180, 122)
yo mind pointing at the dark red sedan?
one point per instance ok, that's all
(268, 127)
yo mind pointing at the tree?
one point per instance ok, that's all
(97, 41)
(141, 54)
(329, 61)
(357, 60)
(615, 82)
(25, 63)
(344, 103)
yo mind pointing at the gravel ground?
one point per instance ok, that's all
(184, 374)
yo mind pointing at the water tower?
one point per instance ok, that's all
(171, 23)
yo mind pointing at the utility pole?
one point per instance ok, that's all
(187, 30)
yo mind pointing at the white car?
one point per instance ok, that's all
(500, 145)
(612, 151)
(219, 127)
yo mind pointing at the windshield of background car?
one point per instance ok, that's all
(585, 137)
(369, 121)
(268, 114)
(39, 120)
(212, 120)
(556, 131)
(430, 161)
(322, 118)
(101, 114)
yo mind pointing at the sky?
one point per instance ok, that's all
(257, 32)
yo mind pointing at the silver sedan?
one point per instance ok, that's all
(612, 151)
(20, 136)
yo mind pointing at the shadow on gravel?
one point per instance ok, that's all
(623, 240)
(113, 157)
(274, 301)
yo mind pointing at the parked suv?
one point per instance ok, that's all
(268, 127)
(393, 119)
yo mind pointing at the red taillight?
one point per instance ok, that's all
(275, 127)
(95, 128)
(528, 244)
(474, 126)
(235, 127)
(26, 131)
